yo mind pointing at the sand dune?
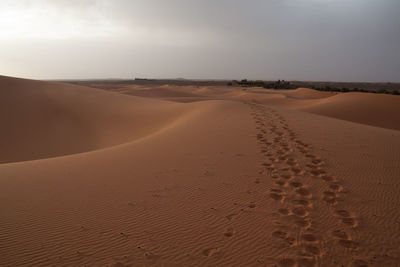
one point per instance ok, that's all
(306, 93)
(250, 178)
(44, 119)
(376, 110)
(299, 93)
(371, 109)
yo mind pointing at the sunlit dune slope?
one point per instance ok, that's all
(90, 208)
(371, 109)
(47, 119)
(306, 93)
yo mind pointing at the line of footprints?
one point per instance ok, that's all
(288, 162)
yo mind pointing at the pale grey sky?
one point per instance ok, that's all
(340, 40)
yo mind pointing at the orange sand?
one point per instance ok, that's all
(197, 176)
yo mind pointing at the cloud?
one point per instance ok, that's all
(264, 39)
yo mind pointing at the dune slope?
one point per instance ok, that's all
(47, 119)
(372, 109)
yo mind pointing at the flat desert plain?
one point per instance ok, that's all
(167, 175)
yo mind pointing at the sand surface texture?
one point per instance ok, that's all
(128, 175)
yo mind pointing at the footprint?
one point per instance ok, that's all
(276, 196)
(290, 240)
(350, 222)
(330, 200)
(302, 150)
(279, 234)
(343, 213)
(281, 183)
(280, 152)
(309, 237)
(316, 161)
(276, 190)
(328, 178)
(283, 211)
(303, 192)
(330, 194)
(297, 171)
(340, 234)
(300, 211)
(317, 172)
(229, 232)
(303, 222)
(252, 205)
(270, 168)
(267, 164)
(282, 158)
(299, 142)
(273, 159)
(336, 188)
(296, 184)
(314, 250)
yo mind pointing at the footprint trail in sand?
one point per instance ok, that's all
(295, 170)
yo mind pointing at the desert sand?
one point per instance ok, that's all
(135, 175)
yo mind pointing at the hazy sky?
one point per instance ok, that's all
(341, 40)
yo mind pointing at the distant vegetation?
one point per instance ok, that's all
(345, 90)
(282, 84)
